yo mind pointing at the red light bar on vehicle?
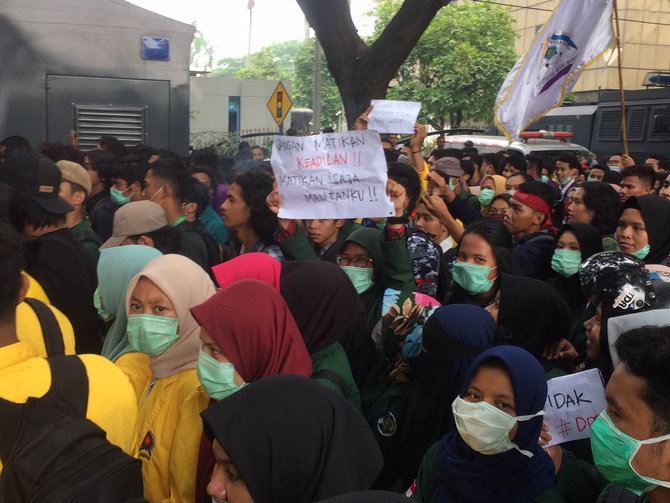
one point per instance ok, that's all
(546, 134)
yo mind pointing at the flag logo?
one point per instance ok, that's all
(559, 57)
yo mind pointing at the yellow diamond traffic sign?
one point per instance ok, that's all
(279, 104)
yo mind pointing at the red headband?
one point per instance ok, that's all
(536, 203)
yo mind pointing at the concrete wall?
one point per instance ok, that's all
(210, 98)
(645, 29)
(86, 38)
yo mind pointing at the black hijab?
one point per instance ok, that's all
(452, 337)
(590, 242)
(532, 313)
(656, 215)
(322, 300)
(292, 439)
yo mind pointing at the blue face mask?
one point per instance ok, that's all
(486, 196)
(97, 303)
(217, 378)
(566, 262)
(642, 252)
(472, 277)
(117, 196)
(151, 334)
(361, 277)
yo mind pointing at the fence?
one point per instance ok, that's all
(226, 144)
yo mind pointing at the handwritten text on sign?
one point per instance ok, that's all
(388, 116)
(335, 175)
(573, 403)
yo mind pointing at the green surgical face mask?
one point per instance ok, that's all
(97, 303)
(642, 252)
(589, 179)
(485, 196)
(217, 378)
(566, 262)
(151, 334)
(567, 181)
(472, 277)
(118, 197)
(544, 179)
(613, 453)
(361, 277)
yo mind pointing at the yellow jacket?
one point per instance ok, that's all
(111, 403)
(136, 366)
(167, 437)
(28, 327)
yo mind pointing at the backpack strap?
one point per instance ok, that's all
(51, 332)
(331, 376)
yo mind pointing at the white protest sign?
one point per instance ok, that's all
(389, 116)
(334, 175)
(573, 403)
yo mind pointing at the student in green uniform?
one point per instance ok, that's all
(494, 455)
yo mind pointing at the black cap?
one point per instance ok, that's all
(38, 178)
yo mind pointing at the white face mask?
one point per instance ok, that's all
(511, 192)
(217, 500)
(486, 428)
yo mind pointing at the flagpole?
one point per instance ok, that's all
(623, 101)
(250, 7)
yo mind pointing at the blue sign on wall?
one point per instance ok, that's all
(156, 48)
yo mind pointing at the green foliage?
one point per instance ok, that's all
(264, 66)
(202, 54)
(459, 63)
(303, 85)
(282, 59)
(228, 67)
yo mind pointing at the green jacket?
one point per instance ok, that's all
(87, 236)
(334, 359)
(429, 476)
(392, 269)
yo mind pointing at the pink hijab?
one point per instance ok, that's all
(249, 266)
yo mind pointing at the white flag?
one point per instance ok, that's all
(250, 4)
(577, 32)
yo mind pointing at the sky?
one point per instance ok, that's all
(225, 23)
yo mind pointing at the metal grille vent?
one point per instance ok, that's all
(567, 128)
(124, 122)
(660, 125)
(609, 127)
(637, 117)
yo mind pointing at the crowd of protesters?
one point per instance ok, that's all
(157, 307)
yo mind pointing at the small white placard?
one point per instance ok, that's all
(573, 403)
(388, 116)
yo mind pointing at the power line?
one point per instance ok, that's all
(542, 9)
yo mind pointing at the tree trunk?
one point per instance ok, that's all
(363, 72)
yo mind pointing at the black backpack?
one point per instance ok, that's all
(51, 452)
(51, 332)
